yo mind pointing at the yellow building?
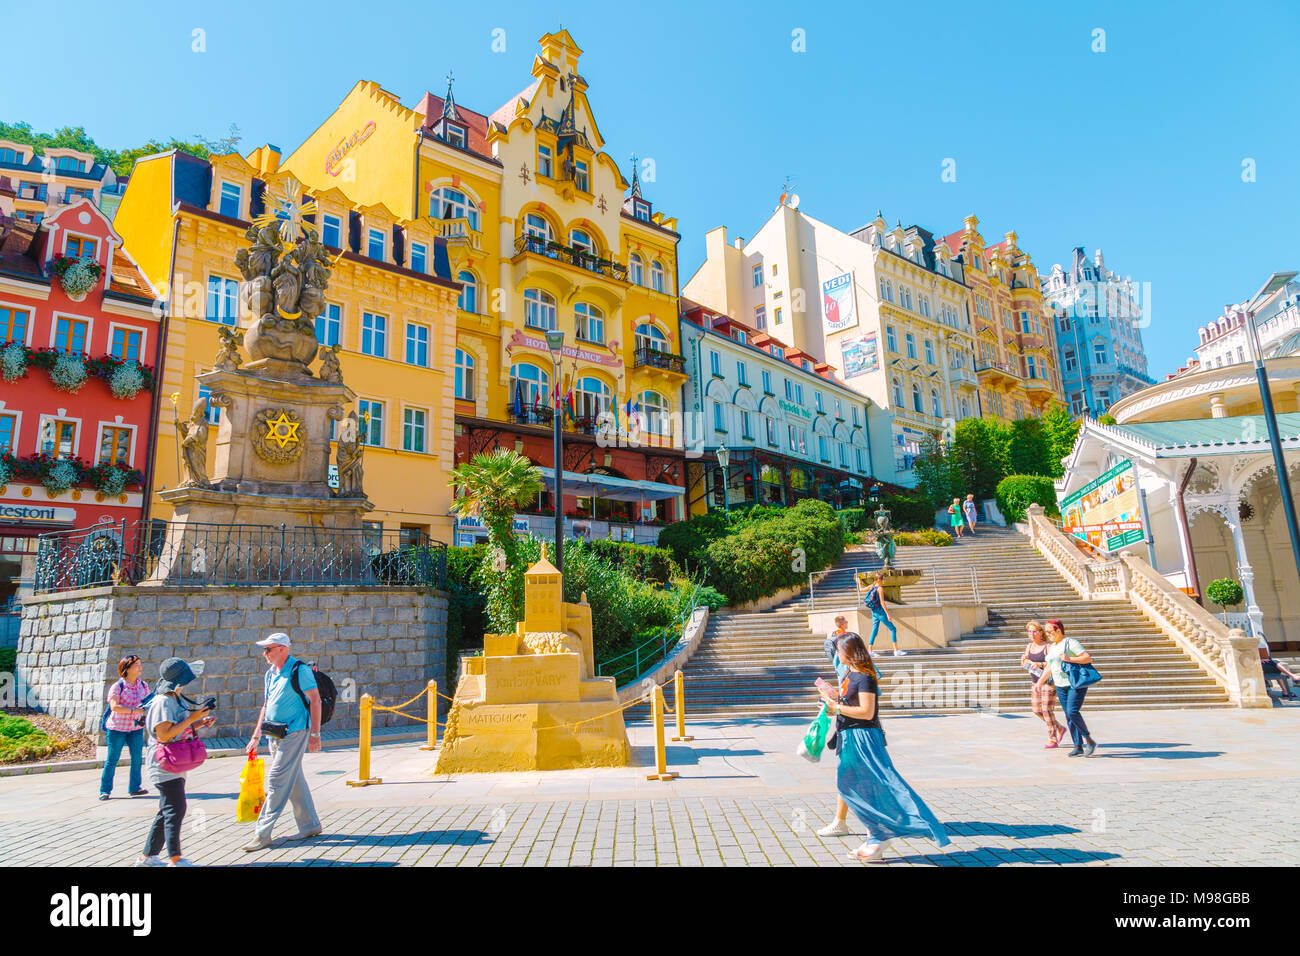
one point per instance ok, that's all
(1014, 333)
(391, 308)
(543, 234)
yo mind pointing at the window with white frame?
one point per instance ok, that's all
(231, 200)
(419, 258)
(329, 324)
(446, 202)
(911, 344)
(545, 162)
(744, 426)
(767, 382)
(760, 318)
(898, 393)
(530, 381)
(331, 231)
(581, 177)
(70, 334)
(417, 344)
(377, 245)
(823, 449)
(539, 309)
(371, 415)
(929, 352)
(648, 336)
(467, 301)
(374, 334)
(592, 397)
(891, 340)
(719, 422)
(465, 375)
(590, 322)
(413, 426)
(770, 425)
(657, 276)
(655, 413)
(59, 437)
(758, 276)
(715, 364)
(1099, 352)
(916, 399)
(125, 343)
(223, 300)
(114, 445)
(742, 373)
(1071, 360)
(936, 407)
(635, 270)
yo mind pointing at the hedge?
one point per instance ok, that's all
(641, 561)
(762, 558)
(936, 538)
(1015, 493)
(466, 604)
(911, 512)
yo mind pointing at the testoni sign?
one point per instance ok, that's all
(346, 146)
(790, 408)
(1106, 511)
(838, 303)
(36, 514)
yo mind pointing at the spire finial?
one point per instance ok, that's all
(448, 103)
(636, 179)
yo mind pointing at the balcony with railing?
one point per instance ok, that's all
(1136, 373)
(962, 377)
(31, 192)
(576, 256)
(1037, 383)
(998, 374)
(1031, 340)
(653, 358)
(458, 230)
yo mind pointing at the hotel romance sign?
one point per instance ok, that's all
(609, 357)
(794, 411)
(335, 158)
(1106, 512)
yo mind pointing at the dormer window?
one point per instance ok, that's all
(641, 210)
(581, 179)
(453, 134)
(376, 244)
(231, 200)
(330, 231)
(77, 247)
(8, 155)
(778, 351)
(70, 164)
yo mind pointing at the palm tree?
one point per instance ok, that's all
(491, 487)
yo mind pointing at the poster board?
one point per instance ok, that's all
(1106, 512)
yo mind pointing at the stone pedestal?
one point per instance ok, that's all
(531, 702)
(895, 580)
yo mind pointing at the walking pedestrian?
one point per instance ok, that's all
(874, 597)
(971, 512)
(832, 643)
(169, 720)
(866, 780)
(123, 730)
(955, 518)
(1065, 650)
(1042, 698)
(291, 718)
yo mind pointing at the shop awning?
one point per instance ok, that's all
(611, 488)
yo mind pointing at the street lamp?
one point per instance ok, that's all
(555, 342)
(1275, 282)
(724, 459)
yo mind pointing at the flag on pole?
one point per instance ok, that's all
(519, 399)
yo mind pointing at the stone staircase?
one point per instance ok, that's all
(763, 664)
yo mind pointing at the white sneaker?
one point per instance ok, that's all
(869, 852)
(181, 862)
(898, 653)
(148, 861)
(834, 828)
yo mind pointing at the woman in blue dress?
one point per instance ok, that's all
(867, 781)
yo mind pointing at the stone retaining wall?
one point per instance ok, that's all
(384, 641)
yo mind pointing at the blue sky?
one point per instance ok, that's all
(1137, 150)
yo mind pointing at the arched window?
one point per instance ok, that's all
(936, 409)
(468, 300)
(657, 276)
(581, 240)
(464, 375)
(898, 394)
(539, 309)
(649, 337)
(532, 383)
(916, 399)
(589, 323)
(448, 203)
(591, 398)
(537, 234)
(635, 270)
(654, 414)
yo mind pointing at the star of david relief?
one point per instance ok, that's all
(278, 435)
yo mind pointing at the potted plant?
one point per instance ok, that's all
(77, 275)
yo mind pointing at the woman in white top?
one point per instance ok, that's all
(1061, 652)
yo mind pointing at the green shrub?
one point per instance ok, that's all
(1224, 592)
(853, 519)
(8, 660)
(936, 538)
(1015, 493)
(761, 559)
(641, 561)
(466, 604)
(20, 739)
(910, 512)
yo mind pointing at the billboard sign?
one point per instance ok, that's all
(839, 304)
(1106, 511)
(861, 355)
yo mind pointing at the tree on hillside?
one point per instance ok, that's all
(1061, 431)
(935, 469)
(121, 161)
(1028, 448)
(980, 455)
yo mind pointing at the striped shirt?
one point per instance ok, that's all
(129, 696)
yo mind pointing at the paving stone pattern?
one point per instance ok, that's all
(389, 642)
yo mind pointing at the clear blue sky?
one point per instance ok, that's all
(1137, 150)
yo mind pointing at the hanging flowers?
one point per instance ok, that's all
(112, 479)
(60, 476)
(13, 361)
(68, 373)
(126, 380)
(77, 276)
(6, 473)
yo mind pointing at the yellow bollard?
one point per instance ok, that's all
(363, 778)
(431, 696)
(657, 708)
(679, 704)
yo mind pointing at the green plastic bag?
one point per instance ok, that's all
(814, 741)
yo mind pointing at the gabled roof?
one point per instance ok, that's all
(475, 123)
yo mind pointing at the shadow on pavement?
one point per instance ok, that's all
(386, 840)
(1046, 856)
(1153, 751)
(1017, 831)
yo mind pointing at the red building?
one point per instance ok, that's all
(80, 330)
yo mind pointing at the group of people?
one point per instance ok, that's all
(144, 722)
(1045, 657)
(963, 514)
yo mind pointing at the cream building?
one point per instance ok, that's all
(886, 307)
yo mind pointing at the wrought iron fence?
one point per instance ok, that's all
(225, 555)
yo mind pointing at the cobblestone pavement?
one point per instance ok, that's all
(1180, 788)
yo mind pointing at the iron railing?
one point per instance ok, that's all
(574, 255)
(218, 555)
(657, 359)
(652, 650)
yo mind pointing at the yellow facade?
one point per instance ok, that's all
(395, 325)
(476, 179)
(1015, 337)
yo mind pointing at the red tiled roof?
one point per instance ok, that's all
(504, 113)
(127, 277)
(954, 241)
(16, 247)
(475, 123)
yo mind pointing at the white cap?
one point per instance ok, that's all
(279, 638)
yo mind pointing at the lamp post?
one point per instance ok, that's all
(724, 459)
(555, 342)
(1275, 282)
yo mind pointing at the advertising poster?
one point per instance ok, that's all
(861, 355)
(838, 303)
(1106, 512)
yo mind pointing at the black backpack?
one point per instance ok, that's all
(328, 693)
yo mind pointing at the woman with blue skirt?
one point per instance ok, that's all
(867, 781)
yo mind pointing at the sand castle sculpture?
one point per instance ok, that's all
(532, 701)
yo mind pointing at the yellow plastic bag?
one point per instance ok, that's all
(251, 791)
